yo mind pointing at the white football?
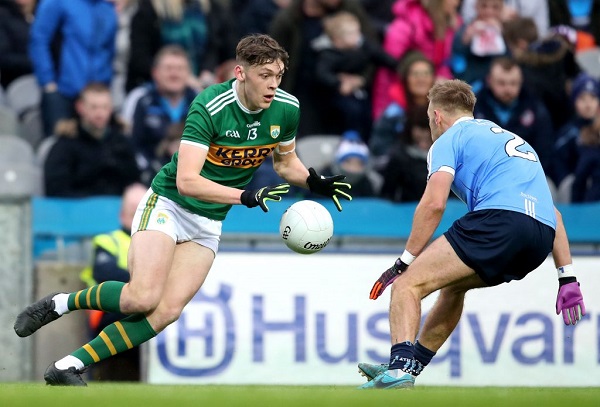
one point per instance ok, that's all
(306, 227)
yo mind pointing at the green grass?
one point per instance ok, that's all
(144, 395)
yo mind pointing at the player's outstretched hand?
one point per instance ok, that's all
(259, 197)
(387, 278)
(569, 301)
(329, 186)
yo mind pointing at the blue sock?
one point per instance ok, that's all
(402, 356)
(422, 357)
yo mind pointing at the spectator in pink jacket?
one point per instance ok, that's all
(424, 25)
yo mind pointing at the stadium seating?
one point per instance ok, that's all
(32, 128)
(589, 61)
(23, 94)
(9, 122)
(16, 150)
(20, 175)
(317, 150)
(2, 96)
(19, 180)
(563, 194)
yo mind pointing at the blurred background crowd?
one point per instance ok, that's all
(99, 89)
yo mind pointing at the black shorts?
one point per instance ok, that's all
(500, 245)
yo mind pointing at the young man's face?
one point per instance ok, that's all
(505, 84)
(171, 74)
(258, 84)
(95, 109)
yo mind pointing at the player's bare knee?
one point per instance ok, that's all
(167, 315)
(139, 301)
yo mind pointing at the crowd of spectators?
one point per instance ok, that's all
(115, 78)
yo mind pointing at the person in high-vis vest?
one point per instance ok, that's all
(109, 263)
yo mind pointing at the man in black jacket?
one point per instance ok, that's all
(91, 156)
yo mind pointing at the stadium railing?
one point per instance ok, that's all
(370, 225)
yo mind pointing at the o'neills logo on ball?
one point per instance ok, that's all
(286, 232)
(315, 246)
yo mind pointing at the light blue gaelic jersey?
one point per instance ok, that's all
(493, 169)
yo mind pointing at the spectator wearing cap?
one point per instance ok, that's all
(352, 160)
(585, 97)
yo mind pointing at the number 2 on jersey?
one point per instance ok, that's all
(512, 144)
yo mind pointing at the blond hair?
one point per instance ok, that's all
(173, 9)
(452, 96)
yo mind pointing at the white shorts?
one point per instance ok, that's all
(156, 212)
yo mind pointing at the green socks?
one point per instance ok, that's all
(103, 297)
(115, 338)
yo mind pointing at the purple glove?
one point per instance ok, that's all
(387, 278)
(570, 301)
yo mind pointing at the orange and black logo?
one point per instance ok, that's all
(240, 157)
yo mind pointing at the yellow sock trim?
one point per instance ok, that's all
(98, 297)
(92, 352)
(124, 334)
(108, 342)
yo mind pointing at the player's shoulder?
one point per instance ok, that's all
(286, 99)
(217, 96)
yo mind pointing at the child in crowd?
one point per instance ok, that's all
(478, 42)
(352, 160)
(345, 68)
(577, 136)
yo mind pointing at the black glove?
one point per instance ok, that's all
(261, 196)
(329, 186)
(387, 278)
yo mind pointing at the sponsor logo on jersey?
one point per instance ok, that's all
(255, 124)
(275, 131)
(239, 157)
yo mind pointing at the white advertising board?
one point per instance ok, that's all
(275, 318)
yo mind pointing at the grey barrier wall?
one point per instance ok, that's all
(16, 286)
(22, 282)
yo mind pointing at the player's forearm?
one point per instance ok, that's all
(560, 250)
(292, 170)
(426, 219)
(198, 187)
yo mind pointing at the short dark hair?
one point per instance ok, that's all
(454, 96)
(520, 28)
(504, 62)
(260, 49)
(94, 87)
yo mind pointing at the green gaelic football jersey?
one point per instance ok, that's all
(238, 141)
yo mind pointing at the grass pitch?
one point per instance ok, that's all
(145, 395)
